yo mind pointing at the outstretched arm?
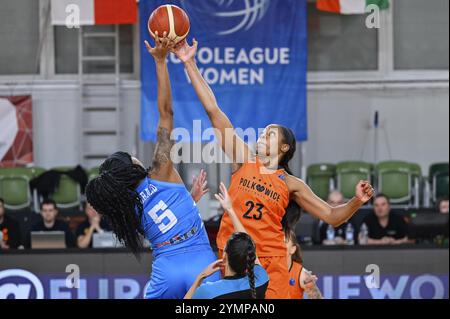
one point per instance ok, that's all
(335, 216)
(233, 146)
(225, 201)
(162, 165)
(211, 269)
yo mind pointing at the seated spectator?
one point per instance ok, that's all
(335, 198)
(93, 224)
(49, 222)
(9, 230)
(443, 205)
(384, 226)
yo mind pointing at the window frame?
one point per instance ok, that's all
(385, 73)
(47, 69)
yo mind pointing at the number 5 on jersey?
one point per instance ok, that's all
(167, 215)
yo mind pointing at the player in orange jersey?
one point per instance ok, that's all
(301, 280)
(262, 184)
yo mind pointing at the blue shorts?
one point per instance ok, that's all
(173, 274)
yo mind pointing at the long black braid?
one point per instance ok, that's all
(113, 194)
(251, 257)
(293, 211)
(241, 252)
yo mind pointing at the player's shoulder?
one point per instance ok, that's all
(294, 183)
(261, 275)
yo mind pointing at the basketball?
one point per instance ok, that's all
(171, 19)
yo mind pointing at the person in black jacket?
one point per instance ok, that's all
(49, 222)
(385, 227)
(9, 230)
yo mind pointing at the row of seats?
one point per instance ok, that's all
(15, 188)
(402, 181)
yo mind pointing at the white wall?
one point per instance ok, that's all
(413, 121)
(56, 120)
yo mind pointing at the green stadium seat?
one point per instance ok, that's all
(417, 180)
(36, 172)
(438, 178)
(15, 188)
(320, 177)
(395, 179)
(93, 173)
(68, 193)
(348, 175)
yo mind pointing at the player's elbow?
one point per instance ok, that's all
(333, 220)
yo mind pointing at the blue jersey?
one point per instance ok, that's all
(236, 287)
(170, 213)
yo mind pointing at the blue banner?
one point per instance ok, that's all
(253, 53)
(23, 284)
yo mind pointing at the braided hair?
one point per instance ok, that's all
(241, 252)
(113, 194)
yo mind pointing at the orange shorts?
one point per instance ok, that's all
(278, 272)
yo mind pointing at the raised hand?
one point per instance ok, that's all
(184, 51)
(212, 268)
(224, 198)
(199, 185)
(162, 47)
(364, 191)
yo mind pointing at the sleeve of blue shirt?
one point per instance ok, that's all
(261, 276)
(202, 292)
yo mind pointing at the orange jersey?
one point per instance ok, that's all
(295, 291)
(260, 200)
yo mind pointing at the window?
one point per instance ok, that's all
(19, 19)
(66, 50)
(421, 34)
(340, 42)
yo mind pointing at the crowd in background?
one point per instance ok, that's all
(381, 226)
(10, 232)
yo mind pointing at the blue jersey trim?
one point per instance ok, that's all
(168, 184)
(211, 290)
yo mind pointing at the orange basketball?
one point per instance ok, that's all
(171, 19)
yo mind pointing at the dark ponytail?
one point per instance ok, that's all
(241, 252)
(289, 139)
(293, 211)
(251, 258)
(113, 194)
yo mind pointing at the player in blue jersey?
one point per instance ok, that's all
(155, 203)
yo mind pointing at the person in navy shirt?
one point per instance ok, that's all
(245, 278)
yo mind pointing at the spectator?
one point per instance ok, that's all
(384, 226)
(335, 198)
(443, 205)
(9, 230)
(93, 224)
(49, 222)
